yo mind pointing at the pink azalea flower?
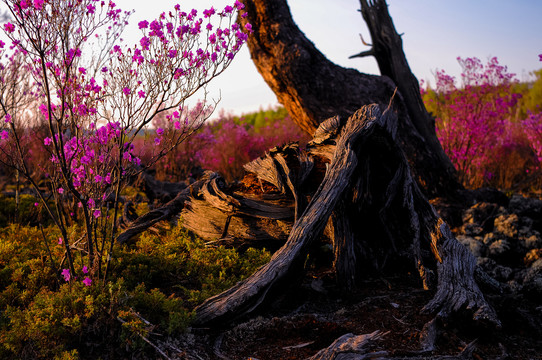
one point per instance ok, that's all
(60, 241)
(60, 190)
(97, 213)
(9, 27)
(85, 269)
(66, 274)
(87, 281)
(47, 141)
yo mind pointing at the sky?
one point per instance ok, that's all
(435, 33)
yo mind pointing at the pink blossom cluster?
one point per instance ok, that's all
(475, 121)
(225, 145)
(94, 106)
(533, 130)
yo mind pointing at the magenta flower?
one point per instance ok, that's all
(36, 204)
(126, 91)
(248, 26)
(145, 42)
(159, 131)
(60, 190)
(172, 53)
(239, 5)
(141, 94)
(9, 27)
(2, 44)
(8, 118)
(91, 204)
(143, 24)
(97, 213)
(82, 70)
(87, 281)
(38, 4)
(540, 57)
(4, 135)
(209, 13)
(66, 274)
(91, 9)
(59, 240)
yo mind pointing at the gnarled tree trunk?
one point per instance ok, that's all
(379, 216)
(312, 88)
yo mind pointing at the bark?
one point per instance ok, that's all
(380, 219)
(166, 212)
(245, 296)
(313, 89)
(351, 347)
(358, 347)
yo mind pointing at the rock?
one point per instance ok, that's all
(532, 242)
(507, 225)
(476, 246)
(472, 230)
(532, 256)
(490, 238)
(499, 248)
(526, 207)
(491, 195)
(532, 284)
(481, 215)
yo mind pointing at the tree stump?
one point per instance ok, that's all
(379, 216)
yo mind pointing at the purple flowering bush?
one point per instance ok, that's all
(477, 125)
(94, 96)
(228, 142)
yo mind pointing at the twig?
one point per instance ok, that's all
(53, 265)
(147, 341)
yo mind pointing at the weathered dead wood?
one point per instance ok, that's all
(162, 191)
(358, 347)
(274, 168)
(351, 347)
(370, 191)
(165, 212)
(245, 296)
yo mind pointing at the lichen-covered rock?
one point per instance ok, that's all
(532, 284)
(480, 215)
(531, 242)
(499, 248)
(532, 256)
(507, 225)
(475, 245)
(526, 207)
(472, 229)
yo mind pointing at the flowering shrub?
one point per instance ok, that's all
(476, 124)
(227, 143)
(95, 106)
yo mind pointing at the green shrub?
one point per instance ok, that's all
(159, 279)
